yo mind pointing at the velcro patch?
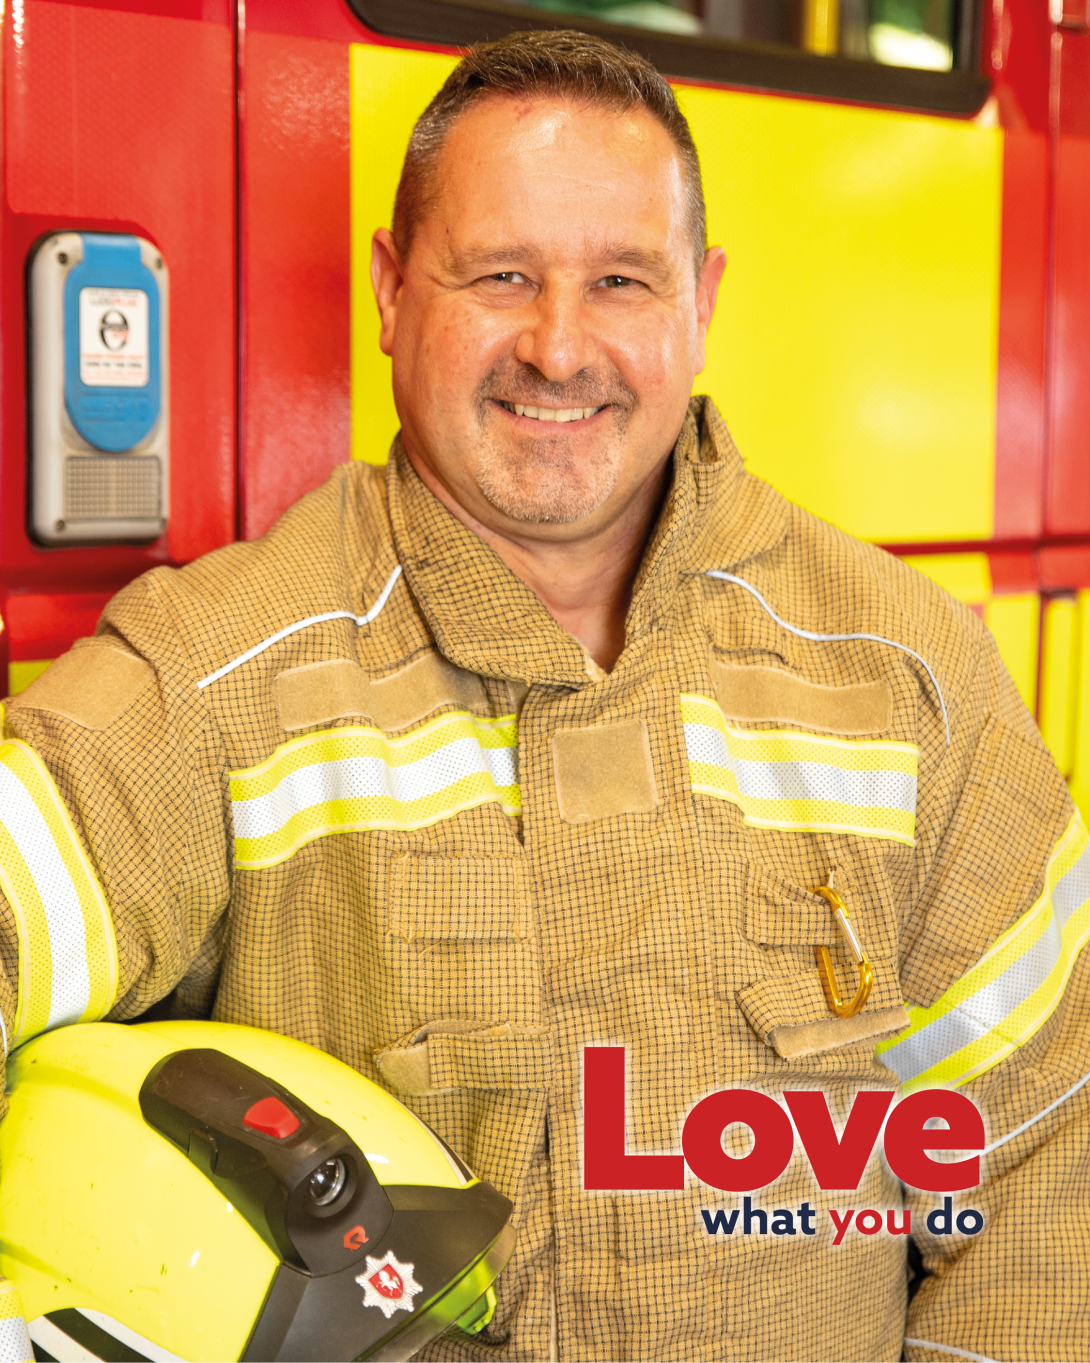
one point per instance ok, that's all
(422, 687)
(319, 692)
(604, 770)
(339, 689)
(92, 685)
(766, 693)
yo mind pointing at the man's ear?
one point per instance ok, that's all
(386, 280)
(707, 293)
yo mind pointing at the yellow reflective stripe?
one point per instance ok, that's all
(1011, 991)
(10, 1304)
(67, 949)
(15, 1342)
(355, 778)
(781, 778)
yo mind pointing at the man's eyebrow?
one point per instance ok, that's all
(606, 256)
(635, 257)
(484, 257)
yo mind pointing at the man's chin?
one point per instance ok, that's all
(543, 496)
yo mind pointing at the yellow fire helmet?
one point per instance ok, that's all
(193, 1190)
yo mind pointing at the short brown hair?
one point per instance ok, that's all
(562, 63)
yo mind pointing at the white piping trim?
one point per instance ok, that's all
(820, 638)
(946, 1349)
(383, 597)
(1043, 1113)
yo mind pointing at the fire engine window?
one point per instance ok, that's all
(913, 33)
(915, 54)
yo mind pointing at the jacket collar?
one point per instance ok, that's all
(485, 619)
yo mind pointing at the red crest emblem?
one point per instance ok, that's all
(387, 1281)
(388, 1284)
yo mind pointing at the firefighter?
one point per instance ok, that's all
(546, 736)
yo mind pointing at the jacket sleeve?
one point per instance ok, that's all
(998, 989)
(114, 862)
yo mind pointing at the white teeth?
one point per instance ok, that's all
(552, 413)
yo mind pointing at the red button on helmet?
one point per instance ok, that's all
(272, 1118)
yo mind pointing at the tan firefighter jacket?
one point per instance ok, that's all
(351, 782)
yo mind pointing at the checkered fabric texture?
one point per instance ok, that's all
(635, 928)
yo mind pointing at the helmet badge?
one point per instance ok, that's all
(388, 1284)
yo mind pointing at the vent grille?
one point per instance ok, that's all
(103, 489)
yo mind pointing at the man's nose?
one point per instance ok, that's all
(557, 338)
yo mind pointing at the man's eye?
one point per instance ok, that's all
(615, 281)
(508, 277)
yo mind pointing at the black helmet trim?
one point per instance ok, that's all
(273, 1173)
(453, 1241)
(365, 1271)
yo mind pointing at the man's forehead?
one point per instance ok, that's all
(513, 170)
(575, 137)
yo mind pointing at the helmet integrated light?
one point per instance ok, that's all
(327, 1182)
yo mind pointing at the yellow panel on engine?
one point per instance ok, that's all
(854, 353)
(854, 350)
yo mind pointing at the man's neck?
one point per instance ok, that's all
(584, 584)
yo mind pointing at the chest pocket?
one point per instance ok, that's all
(460, 940)
(785, 1004)
(462, 950)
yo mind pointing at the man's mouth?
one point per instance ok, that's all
(550, 413)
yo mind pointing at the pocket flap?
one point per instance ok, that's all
(454, 1053)
(790, 1014)
(458, 898)
(779, 913)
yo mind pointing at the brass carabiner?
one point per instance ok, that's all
(825, 965)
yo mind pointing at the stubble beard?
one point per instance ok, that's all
(542, 480)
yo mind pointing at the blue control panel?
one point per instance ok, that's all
(112, 343)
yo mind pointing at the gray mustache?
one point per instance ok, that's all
(581, 390)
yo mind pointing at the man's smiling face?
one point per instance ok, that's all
(548, 323)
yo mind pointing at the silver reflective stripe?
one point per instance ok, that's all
(363, 777)
(15, 1345)
(67, 946)
(800, 780)
(1011, 991)
(984, 1013)
(1073, 890)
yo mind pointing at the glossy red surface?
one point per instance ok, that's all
(121, 115)
(1063, 568)
(43, 625)
(295, 400)
(1015, 54)
(1067, 508)
(122, 119)
(1012, 571)
(1020, 409)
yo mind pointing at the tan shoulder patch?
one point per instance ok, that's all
(602, 770)
(92, 685)
(766, 693)
(423, 686)
(319, 692)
